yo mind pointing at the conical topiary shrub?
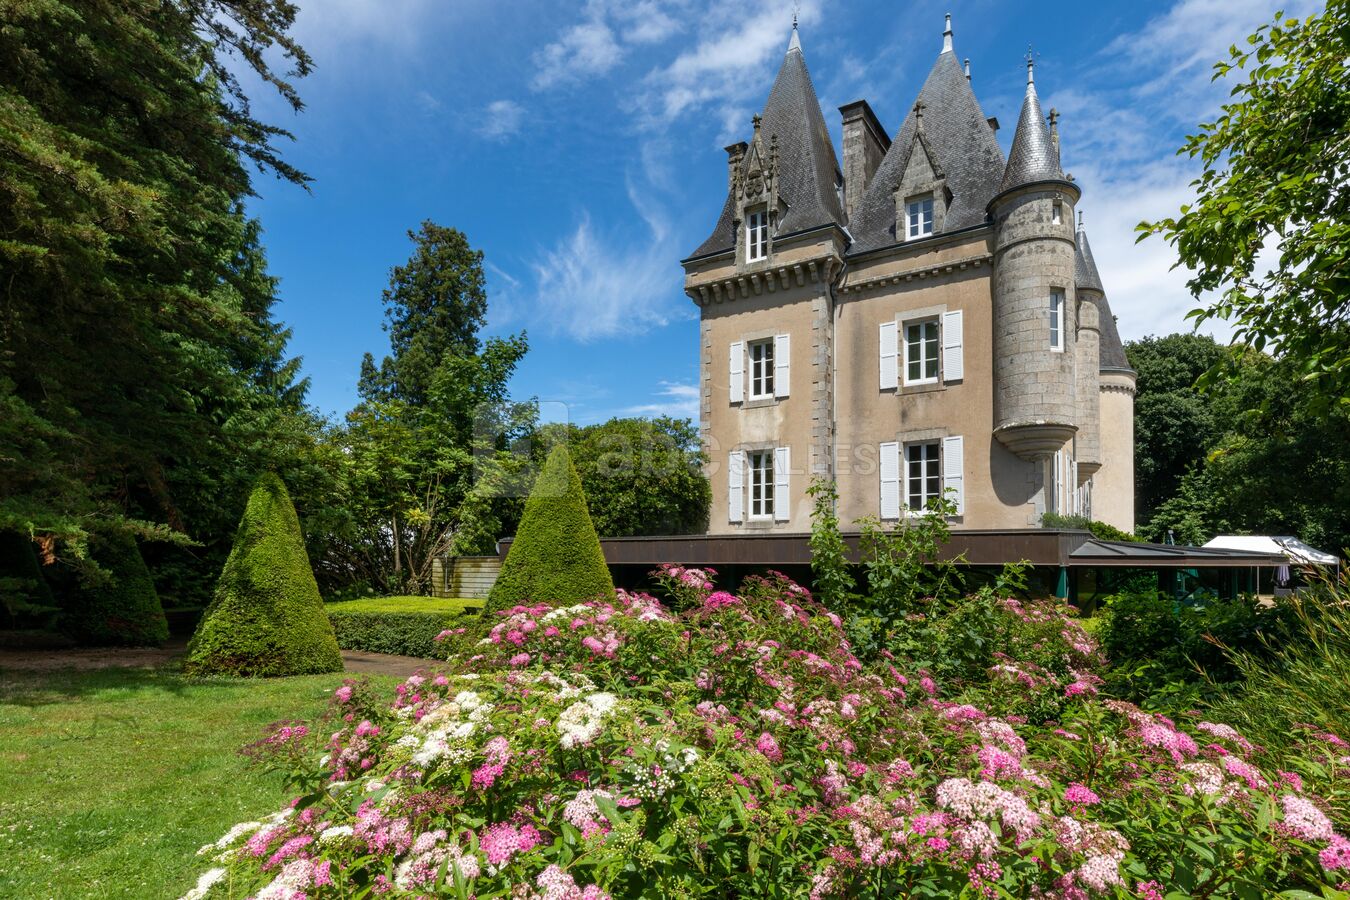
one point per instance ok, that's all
(25, 597)
(124, 609)
(555, 557)
(267, 617)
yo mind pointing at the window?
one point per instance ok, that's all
(761, 369)
(921, 352)
(920, 216)
(923, 474)
(757, 235)
(1057, 320)
(1057, 213)
(761, 483)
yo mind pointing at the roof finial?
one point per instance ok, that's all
(947, 35)
(795, 42)
(967, 68)
(1080, 220)
(1031, 65)
(918, 114)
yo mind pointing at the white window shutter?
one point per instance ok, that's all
(890, 480)
(890, 346)
(782, 359)
(736, 486)
(737, 371)
(953, 471)
(953, 361)
(782, 467)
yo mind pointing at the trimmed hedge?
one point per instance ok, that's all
(556, 556)
(124, 609)
(267, 617)
(404, 626)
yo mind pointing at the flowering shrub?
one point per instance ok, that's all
(741, 749)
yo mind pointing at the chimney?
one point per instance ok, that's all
(865, 143)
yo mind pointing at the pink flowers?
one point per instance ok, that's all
(343, 694)
(1304, 820)
(504, 840)
(769, 747)
(1336, 856)
(1078, 795)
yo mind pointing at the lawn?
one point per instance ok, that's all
(110, 780)
(447, 605)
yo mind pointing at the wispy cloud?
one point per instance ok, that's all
(594, 46)
(502, 119)
(677, 400)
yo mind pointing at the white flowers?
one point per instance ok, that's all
(335, 834)
(229, 837)
(445, 734)
(206, 881)
(583, 721)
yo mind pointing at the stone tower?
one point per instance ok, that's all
(1035, 412)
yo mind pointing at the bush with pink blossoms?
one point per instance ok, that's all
(741, 749)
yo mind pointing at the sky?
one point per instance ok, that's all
(579, 146)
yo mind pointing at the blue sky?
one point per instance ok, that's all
(579, 146)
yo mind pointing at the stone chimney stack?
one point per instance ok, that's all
(865, 143)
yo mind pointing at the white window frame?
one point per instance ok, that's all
(761, 355)
(757, 235)
(918, 217)
(1057, 213)
(1057, 320)
(929, 455)
(760, 464)
(926, 342)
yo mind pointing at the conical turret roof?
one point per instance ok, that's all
(961, 140)
(808, 170)
(1085, 267)
(1033, 157)
(1086, 277)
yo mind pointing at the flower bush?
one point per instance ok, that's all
(741, 749)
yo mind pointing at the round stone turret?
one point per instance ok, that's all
(1088, 285)
(1035, 317)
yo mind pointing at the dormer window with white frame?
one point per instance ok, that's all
(919, 217)
(757, 235)
(1057, 321)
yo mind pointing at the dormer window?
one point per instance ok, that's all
(757, 235)
(919, 217)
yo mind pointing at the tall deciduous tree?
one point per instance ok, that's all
(1269, 230)
(140, 368)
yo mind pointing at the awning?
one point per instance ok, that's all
(1291, 548)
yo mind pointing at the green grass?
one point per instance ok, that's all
(110, 780)
(448, 605)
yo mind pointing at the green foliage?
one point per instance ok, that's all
(830, 570)
(641, 476)
(424, 459)
(446, 605)
(117, 603)
(267, 617)
(556, 556)
(25, 597)
(1100, 530)
(1166, 655)
(125, 146)
(1273, 184)
(404, 629)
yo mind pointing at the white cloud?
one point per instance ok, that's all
(582, 51)
(428, 102)
(679, 401)
(501, 120)
(589, 288)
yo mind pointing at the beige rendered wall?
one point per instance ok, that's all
(1113, 485)
(925, 280)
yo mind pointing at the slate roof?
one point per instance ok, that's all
(1112, 351)
(808, 170)
(962, 144)
(1085, 267)
(1033, 157)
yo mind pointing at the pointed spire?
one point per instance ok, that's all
(1085, 267)
(1033, 157)
(947, 35)
(794, 42)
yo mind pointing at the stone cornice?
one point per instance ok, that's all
(1116, 389)
(934, 270)
(770, 279)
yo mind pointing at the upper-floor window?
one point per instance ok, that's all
(1057, 320)
(761, 483)
(761, 369)
(1057, 213)
(757, 235)
(919, 215)
(923, 474)
(921, 352)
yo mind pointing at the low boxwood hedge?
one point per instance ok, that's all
(405, 626)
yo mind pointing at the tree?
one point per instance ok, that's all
(1274, 193)
(556, 556)
(267, 617)
(141, 373)
(1175, 424)
(642, 476)
(427, 448)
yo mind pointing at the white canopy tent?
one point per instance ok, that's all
(1297, 552)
